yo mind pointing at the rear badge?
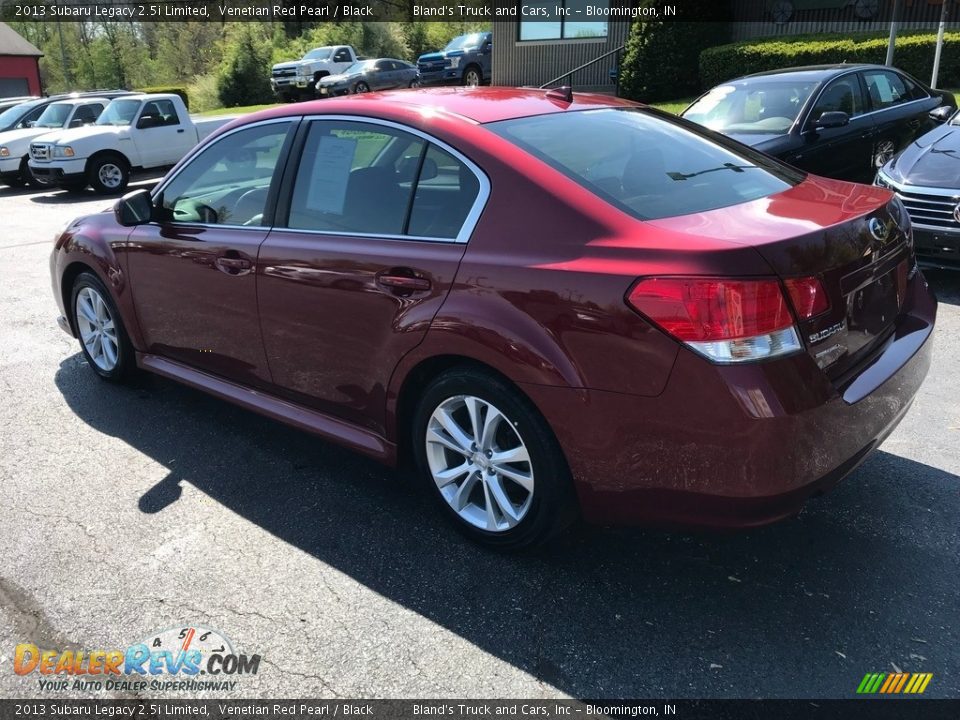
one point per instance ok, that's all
(826, 332)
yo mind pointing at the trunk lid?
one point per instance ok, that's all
(842, 233)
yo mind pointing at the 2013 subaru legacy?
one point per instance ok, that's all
(554, 305)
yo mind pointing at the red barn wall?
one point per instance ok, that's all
(14, 66)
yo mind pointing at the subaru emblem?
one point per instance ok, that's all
(878, 229)
(956, 213)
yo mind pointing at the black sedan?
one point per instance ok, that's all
(841, 121)
(926, 177)
(369, 75)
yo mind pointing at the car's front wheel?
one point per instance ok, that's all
(108, 174)
(103, 339)
(361, 87)
(492, 461)
(471, 77)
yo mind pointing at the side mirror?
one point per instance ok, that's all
(832, 119)
(134, 208)
(30, 123)
(147, 121)
(942, 113)
(76, 122)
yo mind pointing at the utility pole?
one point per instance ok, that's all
(63, 57)
(894, 23)
(939, 50)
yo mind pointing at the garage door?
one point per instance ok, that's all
(13, 87)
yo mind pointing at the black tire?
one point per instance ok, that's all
(414, 83)
(361, 87)
(552, 506)
(472, 76)
(108, 164)
(125, 366)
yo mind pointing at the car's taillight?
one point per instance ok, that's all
(808, 296)
(725, 320)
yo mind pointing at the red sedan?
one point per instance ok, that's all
(553, 306)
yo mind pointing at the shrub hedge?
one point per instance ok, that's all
(170, 89)
(914, 54)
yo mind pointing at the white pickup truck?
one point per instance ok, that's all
(15, 144)
(291, 80)
(133, 133)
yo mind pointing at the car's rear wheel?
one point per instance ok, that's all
(103, 339)
(492, 461)
(471, 76)
(108, 174)
(361, 87)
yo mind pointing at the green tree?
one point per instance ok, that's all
(244, 77)
(661, 61)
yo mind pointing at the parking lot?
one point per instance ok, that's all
(128, 511)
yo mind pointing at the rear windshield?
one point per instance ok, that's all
(647, 164)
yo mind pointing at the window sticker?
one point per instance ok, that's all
(331, 174)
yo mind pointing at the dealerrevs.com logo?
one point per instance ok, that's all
(191, 658)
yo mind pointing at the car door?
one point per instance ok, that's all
(900, 109)
(359, 262)
(381, 75)
(838, 152)
(193, 270)
(160, 135)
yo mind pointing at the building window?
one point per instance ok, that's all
(561, 20)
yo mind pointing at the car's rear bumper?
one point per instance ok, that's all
(937, 249)
(736, 446)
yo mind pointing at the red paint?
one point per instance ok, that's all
(22, 67)
(311, 333)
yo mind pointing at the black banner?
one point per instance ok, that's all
(875, 709)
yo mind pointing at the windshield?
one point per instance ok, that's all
(119, 112)
(318, 54)
(465, 41)
(54, 116)
(761, 106)
(11, 116)
(359, 67)
(648, 164)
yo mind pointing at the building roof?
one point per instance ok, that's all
(12, 43)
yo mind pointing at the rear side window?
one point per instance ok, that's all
(886, 89)
(647, 165)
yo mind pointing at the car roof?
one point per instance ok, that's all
(479, 104)
(79, 100)
(813, 72)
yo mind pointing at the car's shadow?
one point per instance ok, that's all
(945, 283)
(59, 196)
(626, 613)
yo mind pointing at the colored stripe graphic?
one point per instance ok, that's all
(894, 683)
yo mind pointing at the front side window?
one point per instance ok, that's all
(228, 183)
(647, 165)
(86, 114)
(343, 55)
(360, 178)
(560, 20)
(841, 95)
(756, 107)
(159, 113)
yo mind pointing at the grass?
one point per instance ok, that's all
(235, 110)
(674, 106)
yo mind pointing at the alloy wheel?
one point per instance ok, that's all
(884, 153)
(472, 78)
(110, 175)
(98, 331)
(480, 463)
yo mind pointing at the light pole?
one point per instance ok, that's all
(894, 22)
(939, 50)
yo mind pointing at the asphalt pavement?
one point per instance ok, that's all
(125, 511)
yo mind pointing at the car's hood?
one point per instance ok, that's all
(760, 141)
(65, 137)
(22, 135)
(294, 64)
(339, 78)
(439, 55)
(932, 160)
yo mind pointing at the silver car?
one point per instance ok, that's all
(370, 75)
